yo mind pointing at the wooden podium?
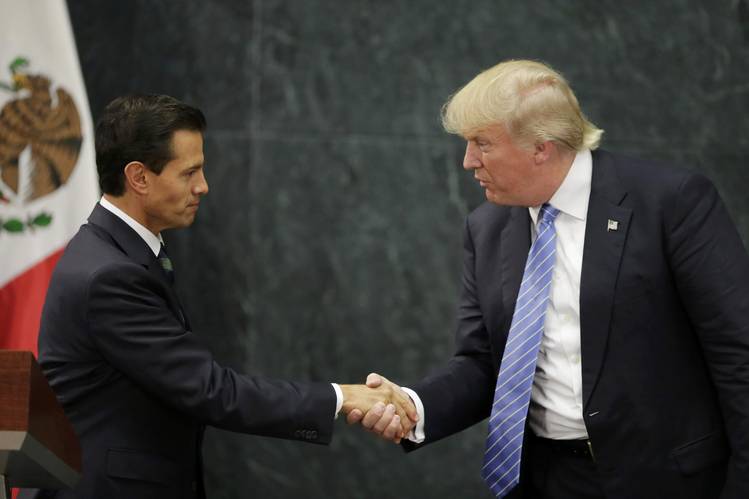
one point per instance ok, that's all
(38, 448)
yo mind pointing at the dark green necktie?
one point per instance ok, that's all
(166, 265)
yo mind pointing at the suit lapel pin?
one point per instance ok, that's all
(612, 225)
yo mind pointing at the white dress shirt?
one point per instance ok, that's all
(154, 242)
(556, 408)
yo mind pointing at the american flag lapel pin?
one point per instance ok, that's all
(612, 225)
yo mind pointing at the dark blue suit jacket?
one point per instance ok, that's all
(664, 312)
(136, 383)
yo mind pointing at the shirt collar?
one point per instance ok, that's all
(573, 194)
(153, 241)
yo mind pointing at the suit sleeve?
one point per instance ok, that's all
(711, 270)
(137, 333)
(460, 394)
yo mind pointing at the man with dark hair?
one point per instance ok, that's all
(140, 127)
(117, 347)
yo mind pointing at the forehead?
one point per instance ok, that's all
(187, 139)
(187, 144)
(496, 132)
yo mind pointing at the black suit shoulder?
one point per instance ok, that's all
(488, 220)
(89, 252)
(664, 197)
(646, 178)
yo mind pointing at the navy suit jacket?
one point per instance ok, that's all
(664, 319)
(136, 383)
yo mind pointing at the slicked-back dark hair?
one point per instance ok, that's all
(139, 128)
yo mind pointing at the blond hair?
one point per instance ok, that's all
(534, 103)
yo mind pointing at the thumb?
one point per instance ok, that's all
(374, 380)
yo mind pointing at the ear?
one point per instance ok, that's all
(135, 177)
(543, 152)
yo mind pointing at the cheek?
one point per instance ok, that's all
(495, 170)
(170, 198)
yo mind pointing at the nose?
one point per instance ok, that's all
(201, 188)
(471, 159)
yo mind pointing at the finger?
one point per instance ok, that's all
(374, 380)
(354, 416)
(397, 396)
(373, 415)
(407, 404)
(411, 411)
(393, 430)
(406, 426)
(385, 420)
(405, 418)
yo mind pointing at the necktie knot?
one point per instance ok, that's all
(548, 214)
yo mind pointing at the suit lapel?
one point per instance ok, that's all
(514, 246)
(154, 267)
(124, 237)
(605, 236)
(136, 248)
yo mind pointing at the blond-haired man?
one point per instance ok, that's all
(602, 324)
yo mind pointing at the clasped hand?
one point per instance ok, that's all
(381, 407)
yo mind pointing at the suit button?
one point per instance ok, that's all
(314, 435)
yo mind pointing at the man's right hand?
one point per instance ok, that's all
(381, 406)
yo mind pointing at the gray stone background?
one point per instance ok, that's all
(329, 245)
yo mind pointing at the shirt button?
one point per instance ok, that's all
(575, 359)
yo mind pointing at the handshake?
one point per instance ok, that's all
(381, 406)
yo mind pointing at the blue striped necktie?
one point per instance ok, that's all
(504, 443)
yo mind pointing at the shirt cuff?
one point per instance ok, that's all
(339, 399)
(416, 435)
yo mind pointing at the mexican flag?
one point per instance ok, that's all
(48, 182)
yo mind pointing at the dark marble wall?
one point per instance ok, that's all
(329, 245)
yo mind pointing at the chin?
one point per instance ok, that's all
(493, 198)
(502, 201)
(183, 223)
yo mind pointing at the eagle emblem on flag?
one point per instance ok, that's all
(40, 140)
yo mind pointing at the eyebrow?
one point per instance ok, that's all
(192, 168)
